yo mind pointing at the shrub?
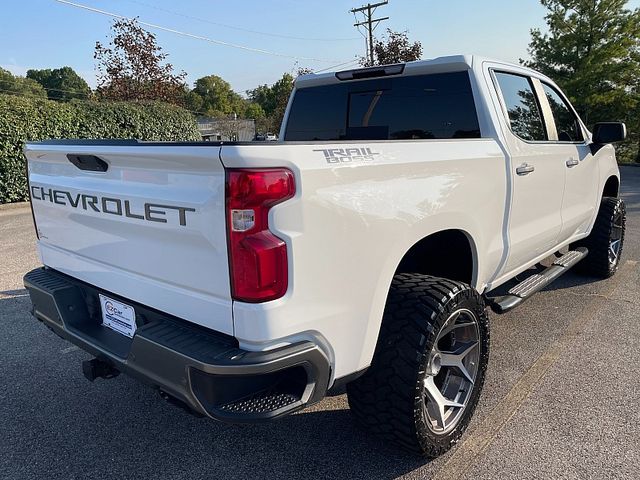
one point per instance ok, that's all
(24, 119)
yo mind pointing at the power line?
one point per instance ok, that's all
(241, 29)
(350, 62)
(369, 23)
(191, 35)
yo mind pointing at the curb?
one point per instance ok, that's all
(635, 165)
(13, 206)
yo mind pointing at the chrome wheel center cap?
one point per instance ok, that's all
(435, 364)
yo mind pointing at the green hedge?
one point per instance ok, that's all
(25, 119)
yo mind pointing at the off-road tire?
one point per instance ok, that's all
(388, 400)
(598, 262)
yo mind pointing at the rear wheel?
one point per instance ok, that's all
(429, 366)
(606, 239)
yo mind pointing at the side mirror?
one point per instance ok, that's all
(609, 132)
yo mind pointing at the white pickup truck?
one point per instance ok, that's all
(246, 281)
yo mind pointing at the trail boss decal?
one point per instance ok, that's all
(150, 212)
(347, 155)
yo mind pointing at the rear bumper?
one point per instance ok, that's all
(203, 369)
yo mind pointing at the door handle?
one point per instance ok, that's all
(525, 169)
(572, 162)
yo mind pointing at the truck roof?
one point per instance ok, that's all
(442, 64)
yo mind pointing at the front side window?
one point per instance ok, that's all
(567, 123)
(437, 106)
(522, 107)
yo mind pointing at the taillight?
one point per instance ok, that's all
(257, 258)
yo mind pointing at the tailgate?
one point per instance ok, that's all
(150, 228)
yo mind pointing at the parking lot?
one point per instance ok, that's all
(561, 400)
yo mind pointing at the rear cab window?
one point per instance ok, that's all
(524, 114)
(567, 123)
(434, 106)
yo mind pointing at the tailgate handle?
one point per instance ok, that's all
(90, 163)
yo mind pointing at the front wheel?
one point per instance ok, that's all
(429, 365)
(606, 239)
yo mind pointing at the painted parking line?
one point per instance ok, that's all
(477, 441)
(70, 349)
(10, 294)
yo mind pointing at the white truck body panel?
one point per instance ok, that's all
(344, 216)
(346, 230)
(556, 205)
(178, 269)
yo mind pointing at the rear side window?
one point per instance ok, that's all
(522, 106)
(438, 106)
(567, 123)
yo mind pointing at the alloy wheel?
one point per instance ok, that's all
(615, 241)
(451, 371)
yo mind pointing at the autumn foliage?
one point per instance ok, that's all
(131, 67)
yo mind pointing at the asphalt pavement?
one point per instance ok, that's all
(561, 399)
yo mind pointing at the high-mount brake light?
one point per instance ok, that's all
(371, 72)
(257, 258)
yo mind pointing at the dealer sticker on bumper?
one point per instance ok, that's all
(118, 316)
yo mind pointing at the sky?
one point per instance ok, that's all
(317, 34)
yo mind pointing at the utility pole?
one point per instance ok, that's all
(369, 23)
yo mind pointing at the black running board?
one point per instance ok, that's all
(532, 285)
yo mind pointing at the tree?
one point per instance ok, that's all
(218, 98)
(61, 83)
(254, 111)
(273, 99)
(192, 101)
(263, 96)
(212, 96)
(16, 85)
(131, 67)
(395, 47)
(592, 50)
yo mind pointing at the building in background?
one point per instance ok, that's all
(227, 129)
